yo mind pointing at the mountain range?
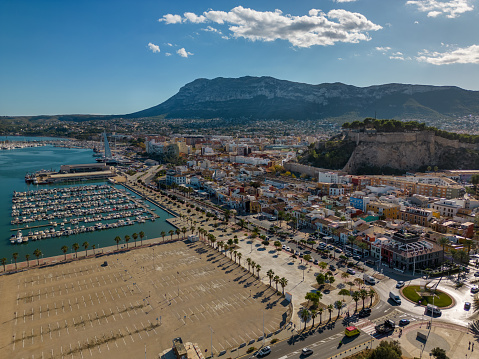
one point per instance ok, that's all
(270, 98)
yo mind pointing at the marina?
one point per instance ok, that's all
(17, 162)
(73, 210)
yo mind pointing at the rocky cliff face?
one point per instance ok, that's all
(409, 151)
(267, 97)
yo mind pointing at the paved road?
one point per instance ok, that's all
(325, 343)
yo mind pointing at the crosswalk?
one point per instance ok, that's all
(369, 327)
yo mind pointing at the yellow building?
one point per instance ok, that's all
(389, 210)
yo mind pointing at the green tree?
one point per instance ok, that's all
(276, 279)
(387, 350)
(4, 262)
(304, 314)
(117, 240)
(76, 247)
(127, 239)
(330, 310)
(371, 294)
(37, 253)
(142, 235)
(356, 296)
(314, 314)
(270, 275)
(320, 312)
(258, 268)
(283, 282)
(15, 256)
(338, 305)
(320, 278)
(177, 232)
(184, 230)
(439, 353)
(86, 245)
(163, 234)
(27, 257)
(135, 237)
(363, 293)
(344, 292)
(171, 232)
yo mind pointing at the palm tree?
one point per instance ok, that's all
(65, 250)
(127, 239)
(171, 232)
(177, 231)
(253, 266)
(86, 245)
(258, 268)
(4, 261)
(330, 310)
(338, 305)
(183, 230)
(135, 237)
(117, 240)
(344, 275)
(235, 253)
(231, 252)
(163, 234)
(38, 254)
(304, 315)
(284, 282)
(363, 293)
(15, 256)
(359, 282)
(213, 240)
(356, 298)
(270, 275)
(276, 279)
(242, 223)
(443, 241)
(142, 235)
(76, 247)
(320, 312)
(314, 314)
(371, 294)
(248, 260)
(239, 258)
(93, 247)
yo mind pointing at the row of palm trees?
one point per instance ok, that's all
(127, 239)
(276, 279)
(37, 253)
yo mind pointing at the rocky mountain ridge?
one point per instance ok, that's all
(267, 98)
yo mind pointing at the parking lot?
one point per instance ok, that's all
(142, 297)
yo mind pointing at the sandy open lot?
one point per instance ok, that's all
(143, 297)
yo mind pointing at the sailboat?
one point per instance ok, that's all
(107, 158)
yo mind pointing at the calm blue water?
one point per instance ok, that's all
(14, 164)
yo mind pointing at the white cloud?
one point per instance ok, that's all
(316, 28)
(467, 55)
(450, 8)
(191, 17)
(212, 29)
(154, 48)
(167, 54)
(171, 19)
(383, 48)
(183, 53)
(168, 44)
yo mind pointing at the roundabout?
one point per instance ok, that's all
(424, 296)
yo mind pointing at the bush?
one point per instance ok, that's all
(250, 350)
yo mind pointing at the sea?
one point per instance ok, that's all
(14, 164)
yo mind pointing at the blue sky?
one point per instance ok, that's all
(121, 56)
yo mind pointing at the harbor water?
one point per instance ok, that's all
(14, 164)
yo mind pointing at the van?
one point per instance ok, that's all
(395, 297)
(433, 309)
(368, 279)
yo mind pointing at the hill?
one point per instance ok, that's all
(270, 98)
(393, 147)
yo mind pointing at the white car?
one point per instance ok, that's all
(284, 247)
(474, 289)
(400, 284)
(288, 249)
(263, 352)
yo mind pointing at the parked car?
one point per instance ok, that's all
(284, 247)
(264, 351)
(365, 312)
(476, 274)
(357, 258)
(316, 261)
(306, 351)
(467, 306)
(370, 262)
(404, 322)
(474, 289)
(400, 284)
(338, 250)
(351, 271)
(332, 268)
(288, 249)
